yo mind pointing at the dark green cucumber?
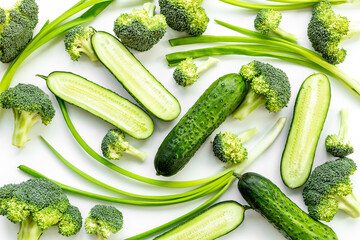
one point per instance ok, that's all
(209, 224)
(134, 77)
(311, 107)
(101, 102)
(266, 198)
(209, 111)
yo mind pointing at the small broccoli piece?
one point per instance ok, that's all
(228, 147)
(78, 40)
(329, 189)
(38, 204)
(326, 30)
(29, 104)
(114, 145)
(103, 220)
(337, 144)
(268, 85)
(140, 29)
(16, 28)
(186, 73)
(185, 15)
(268, 20)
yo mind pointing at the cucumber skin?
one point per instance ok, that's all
(293, 223)
(219, 101)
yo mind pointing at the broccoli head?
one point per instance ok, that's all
(268, 85)
(338, 144)
(114, 145)
(140, 29)
(268, 20)
(326, 30)
(38, 204)
(103, 220)
(78, 40)
(16, 28)
(186, 73)
(185, 15)
(329, 189)
(29, 104)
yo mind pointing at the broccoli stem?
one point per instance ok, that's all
(354, 29)
(88, 49)
(251, 101)
(23, 123)
(132, 151)
(344, 123)
(149, 8)
(349, 204)
(207, 64)
(29, 230)
(285, 35)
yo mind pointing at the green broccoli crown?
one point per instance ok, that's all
(267, 81)
(337, 146)
(186, 72)
(78, 40)
(267, 20)
(185, 15)
(104, 220)
(228, 148)
(140, 29)
(16, 28)
(71, 221)
(326, 30)
(6, 193)
(114, 144)
(326, 185)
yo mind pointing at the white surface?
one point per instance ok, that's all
(138, 219)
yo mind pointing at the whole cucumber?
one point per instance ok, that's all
(209, 111)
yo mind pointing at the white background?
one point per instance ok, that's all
(138, 219)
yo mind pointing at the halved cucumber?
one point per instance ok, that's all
(311, 107)
(101, 102)
(135, 78)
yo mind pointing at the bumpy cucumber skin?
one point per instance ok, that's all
(210, 110)
(293, 223)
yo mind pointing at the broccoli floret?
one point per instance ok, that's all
(329, 189)
(114, 145)
(268, 20)
(228, 147)
(16, 28)
(186, 73)
(38, 204)
(78, 40)
(103, 220)
(268, 85)
(326, 30)
(29, 104)
(140, 29)
(185, 15)
(338, 144)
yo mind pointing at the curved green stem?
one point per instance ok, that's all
(251, 102)
(285, 35)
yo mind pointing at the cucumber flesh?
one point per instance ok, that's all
(311, 107)
(135, 78)
(101, 102)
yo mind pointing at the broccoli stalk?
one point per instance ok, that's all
(78, 40)
(29, 230)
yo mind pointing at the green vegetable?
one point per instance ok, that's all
(38, 204)
(101, 102)
(185, 15)
(310, 110)
(266, 198)
(114, 145)
(326, 30)
(135, 78)
(140, 29)
(269, 86)
(212, 223)
(207, 113)
(29, 105)
(338, 145)
(329, 189)
(186, 73)
(78, 40)
(103, 220)
(16, 28)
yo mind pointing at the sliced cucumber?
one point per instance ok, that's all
(135, 78)
(101, 102)
(311, 107)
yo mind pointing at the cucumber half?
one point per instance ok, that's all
(135, 78)
(101, 102)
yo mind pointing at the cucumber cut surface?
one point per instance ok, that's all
(135, 78)
(101, 102)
